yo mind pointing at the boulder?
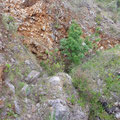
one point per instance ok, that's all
(32, 76)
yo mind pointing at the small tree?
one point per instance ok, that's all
(74, 47)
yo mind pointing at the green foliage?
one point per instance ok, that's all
(56, 25)
(88, 96)
(52, 116)
(74, 47)
(52, 68)
(8, 66)
(54, 64)
(12, 114)
(112, 84)
(72, 99)
(7, 69)
(97, 39)
(97, 30)
(9, 105)
(21, 85)
(102, 66)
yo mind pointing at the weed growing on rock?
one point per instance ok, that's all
(21, 85)
(72, 99)
(54, 64)
(7, 68)
(10, 112)
(52, 116)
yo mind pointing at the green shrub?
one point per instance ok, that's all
(74, 47)
(54, 64)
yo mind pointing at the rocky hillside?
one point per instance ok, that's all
(33, 85)
(44, 23)
(27, 92)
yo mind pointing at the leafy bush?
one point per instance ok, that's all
(74, 47)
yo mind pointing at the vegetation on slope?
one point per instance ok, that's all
(86, 77)
(112, 6)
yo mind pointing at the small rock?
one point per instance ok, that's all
(45, 75)
(29, 116)
(53, 36)
(25, 90)
(38, 105)
(32, 76)
(12, 60)
(11, 87)
(18, 118)
(43, 93)
(33, 108)
(117, 115)
(54, 80)
(116, 103)
(42, 35)
(116, 110)
(60, 109)
(1, 45)
(0, 35)
(118, 72)
(27, 62)
(84, 44)
(101, 48)
(43, 28)
(4, 113)
(17, 108)
(2, 59)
